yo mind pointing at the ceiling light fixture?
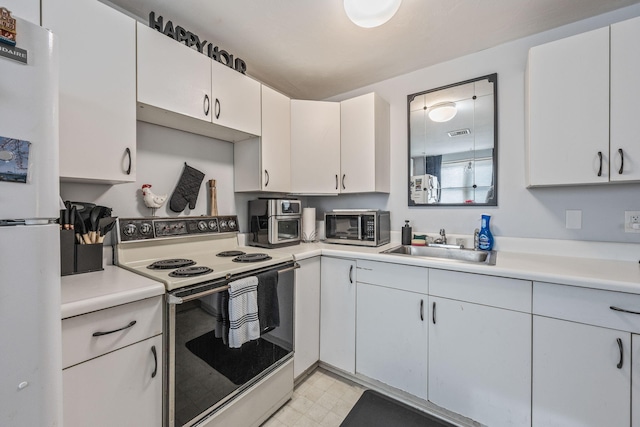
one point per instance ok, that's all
(371, 13)
(443, 112)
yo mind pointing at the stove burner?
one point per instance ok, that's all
(190, 271)
(251, 258)
(230, 253)
(166, 264)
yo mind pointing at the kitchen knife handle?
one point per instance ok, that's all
(155, 359)
(99, 334)
(127, 151)
(206, 105)
(619, 365)
(600, 170)
(621, 161)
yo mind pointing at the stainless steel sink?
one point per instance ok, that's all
(445, 252)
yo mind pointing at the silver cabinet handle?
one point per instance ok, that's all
(155, 359)
(619, 365)
(206, 105)
(351, 274)
(99, 334)
(614, 308)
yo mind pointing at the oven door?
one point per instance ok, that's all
(203, 373)
(284, 229)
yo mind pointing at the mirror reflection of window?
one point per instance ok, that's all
(452, 144)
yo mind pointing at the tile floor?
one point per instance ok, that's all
(321, 400)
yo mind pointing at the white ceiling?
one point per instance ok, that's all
(308, 49)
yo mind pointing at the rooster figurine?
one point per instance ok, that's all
(151, 200)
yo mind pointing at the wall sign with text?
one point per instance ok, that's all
(192, 40)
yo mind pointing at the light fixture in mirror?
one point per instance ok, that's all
(453, 156)
(370, 13)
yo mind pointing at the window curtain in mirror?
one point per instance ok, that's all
(433, 166)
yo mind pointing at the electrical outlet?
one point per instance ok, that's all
(632, 221)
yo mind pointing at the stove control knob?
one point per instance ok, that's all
(213, 226)
(129, 230)
(202, 226)
(145, 228)
(232, 224)
(223, 224)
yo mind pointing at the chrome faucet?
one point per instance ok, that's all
(443, 236)
(476, 239)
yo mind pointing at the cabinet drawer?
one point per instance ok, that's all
(79, 343)
(512, 294)
(590, 306)
(397, 276)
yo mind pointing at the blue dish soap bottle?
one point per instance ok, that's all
(485, 238)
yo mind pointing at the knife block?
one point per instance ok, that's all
(88, 258)
(67, 252)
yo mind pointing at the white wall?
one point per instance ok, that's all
(521, 212)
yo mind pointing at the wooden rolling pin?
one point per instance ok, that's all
(213, 198)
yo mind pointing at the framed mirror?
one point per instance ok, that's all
(453, 144)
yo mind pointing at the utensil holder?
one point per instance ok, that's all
(88, 258)
(67, 252)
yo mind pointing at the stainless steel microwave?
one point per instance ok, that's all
(357, 227)
(274, 222)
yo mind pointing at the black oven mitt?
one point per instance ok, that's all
(187, 189)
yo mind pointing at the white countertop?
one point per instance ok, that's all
(87, 292)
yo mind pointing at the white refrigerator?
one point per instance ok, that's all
(30, 348)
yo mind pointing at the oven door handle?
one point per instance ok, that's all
(172, 299)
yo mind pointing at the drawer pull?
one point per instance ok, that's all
(619, 365)
(351, 274)
(613, 307)
(99, 334)
(155, 359)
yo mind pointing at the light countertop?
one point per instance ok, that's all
(87, 292)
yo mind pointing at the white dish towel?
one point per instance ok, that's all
(243, 311)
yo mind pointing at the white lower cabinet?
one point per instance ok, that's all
(635, 380)
(480, 355)
(307, 316)
(338, 313)
(122, 388)
(576, 379)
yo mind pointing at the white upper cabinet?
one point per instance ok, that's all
(364, 144)
(25, 9)
(583, 93)
(315, 147)
(264, 164)
(97, 90)
(235, 99)
(568, 117)
(173, 77)
(181, 88)
(625, 93)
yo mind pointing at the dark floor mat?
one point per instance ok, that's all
(376, 410)
(239, 365)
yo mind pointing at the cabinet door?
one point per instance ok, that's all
(391, 337)
(172, 76)
(338, 313)
(480, 362)
(307, 317)
(625, 92)
(235, 99)
(315, 147)
(25, 9)
(97, 90)
(364, 144)
(276, 141)
(568, 117)
(576, 379)
(117, 389)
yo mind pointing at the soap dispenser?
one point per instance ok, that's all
(406, 233)
(485, 238)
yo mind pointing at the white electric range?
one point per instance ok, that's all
(196, 258)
